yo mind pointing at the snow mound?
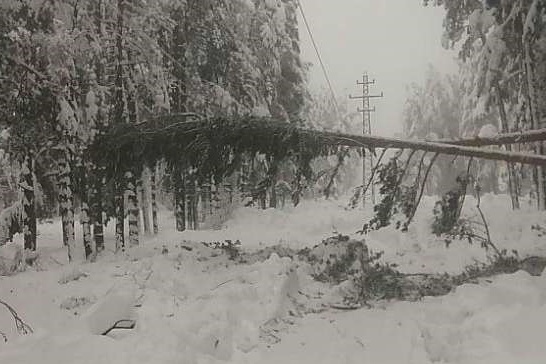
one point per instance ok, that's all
(116, 305)
(497, 323)
(63, 348)
(11, 258)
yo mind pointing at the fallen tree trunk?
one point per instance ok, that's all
(500, 139)
(370, 141)
(204, 144)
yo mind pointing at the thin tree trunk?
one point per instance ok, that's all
(66, 205)
(532, 98)
(85, 219)
(191, 197)
(272, 196)
(142, 186)
(180, 199)
(195, 206)
(97, 180)
(132, 202)
(244, 178)
(332, 138)
(206, 205)
(86, 227)
(119, 202)
(153, 196)
(29, 204)
(518, 137)
(119, 118)
(96, 212)
(512, 176)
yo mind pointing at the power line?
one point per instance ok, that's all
(320, 59)
(366, 126)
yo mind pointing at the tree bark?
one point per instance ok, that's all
(273, 172)
(153, 196)
(142, 187)
(66, 204)
(191, 207)
(132, 202)
(330, 138)
(85, 219)
(119, 202)
(519, 137)
(96, 210)
(206, 200)
(86, 227)
(512, 176)
(119, 118)
(29, 204)
(97, 180)
(532, 98)
(180, 199)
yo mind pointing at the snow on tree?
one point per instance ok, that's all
(501, 61)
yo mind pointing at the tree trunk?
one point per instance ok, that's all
(442, 147)
(142, 187)
(119, 202)
(273, 174)
(97, 180)
(244, 178)
(532, 96)
(85, 219)
(29, 204)
(66, 205)
(96, 209)
(206, 200)
(512, 176)
(119, 118)
(191, 207)
(195, 205)
(153, 196)
(132, 200)
(180, 199)
(86, 227)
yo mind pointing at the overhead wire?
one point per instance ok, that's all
(322, 66)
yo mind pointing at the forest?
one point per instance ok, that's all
(187, 130)
(72, 70)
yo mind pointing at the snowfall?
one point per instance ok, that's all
(191, 304)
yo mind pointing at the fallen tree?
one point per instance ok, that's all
(213, 145)
(523, 137)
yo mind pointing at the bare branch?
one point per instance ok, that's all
(465, 187)
(374, 171)
(22, 327)
(416, 204)
(485, 224)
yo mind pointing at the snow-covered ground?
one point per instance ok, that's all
(192, 305)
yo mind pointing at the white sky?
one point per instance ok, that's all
(393, 40)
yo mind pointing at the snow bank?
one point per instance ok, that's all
(116, 305)
(11, 257)
(501, 322)
(187, 312)
(194, 307)
(301, 226)
(63, 348)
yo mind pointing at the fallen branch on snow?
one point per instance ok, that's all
(22, 327)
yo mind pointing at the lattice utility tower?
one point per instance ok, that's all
(366, 128)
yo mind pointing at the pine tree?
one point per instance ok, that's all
(501, 53)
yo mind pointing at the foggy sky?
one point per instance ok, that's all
(393, 40)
